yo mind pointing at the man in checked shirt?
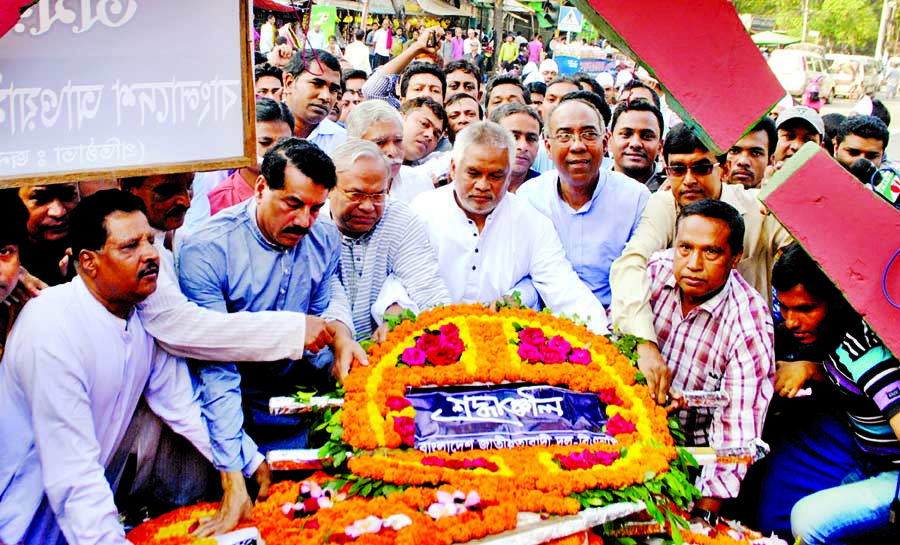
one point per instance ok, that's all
(715, 334)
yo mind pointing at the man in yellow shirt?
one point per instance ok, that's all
(509, 52)
(695, 174)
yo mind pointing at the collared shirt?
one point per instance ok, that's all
(381, 86)
(67, 394)
(381, 42)
(724, 345)
(227, 265)
(459, 47)
(764, 237)
(595, 234)
(357, 54)
(655, 181)
(204, 182)
(410, 181)
(234, 190)
(328, 135)
(516, 241)
(399, 246)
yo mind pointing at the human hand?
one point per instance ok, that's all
(655, 370)
(64, 262)
(234, 507)
(281, 55)
(345, 351)
(318, 335)
(380, 334)
(28, 286)
(425, 35)
(790, 376)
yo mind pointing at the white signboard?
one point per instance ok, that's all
(570, 19)
(106, 88)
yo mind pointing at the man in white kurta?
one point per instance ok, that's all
(76, 364)
(488, 240)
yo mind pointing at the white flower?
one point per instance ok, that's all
(396, 522)
(287, 508)
(311, 488)
(324, 502)
(368, 525)
(440, 510)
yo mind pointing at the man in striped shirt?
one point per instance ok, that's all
(380, 238)
(715, 334)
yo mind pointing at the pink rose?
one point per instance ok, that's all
(398, 403)
(548, 355)
(454, 345)
(580, 356)
(618, 425)
(449, 330)
(529, 353)
(413, 356)
(559, 344)
(533, 336)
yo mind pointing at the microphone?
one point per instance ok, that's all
(863, 169)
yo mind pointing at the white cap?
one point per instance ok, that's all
(605, 80)
(549, 65)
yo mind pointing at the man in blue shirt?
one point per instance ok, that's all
(269, 253)
(594, 210)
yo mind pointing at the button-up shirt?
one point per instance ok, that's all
(381, 86)
(399, 246)
(595, 234)
(328, 135)
(70, 381)
(410, 181)
(228, 265)
(516, 241)
(726, 344)
(764, 237)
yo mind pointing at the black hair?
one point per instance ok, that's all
(512, 108)
(303, 59)
(682, 140)
(353, 73)
(507, 79)
(640, 106)
(863, 126)
(466, 66)
(280, 40)
(360, 35)
(13, 218)
(638, 84)
(87, 227)
(595, 87)
(718, 210)
(426, 102)
(456, 97)
(880, 111)
(420, 67)
(272, 110)
(594, 100)
(266, 69)
(564, 79)
(767, 125)
(537, 88)
(795, 268)
(831, 121)
(307, 157)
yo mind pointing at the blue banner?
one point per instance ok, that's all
(506, 417)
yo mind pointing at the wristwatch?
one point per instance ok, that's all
(706, 516)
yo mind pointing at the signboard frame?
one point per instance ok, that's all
(248, 118)
(564, 11)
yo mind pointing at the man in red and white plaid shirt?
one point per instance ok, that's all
(715, 334)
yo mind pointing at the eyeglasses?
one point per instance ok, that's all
(698, 169)
(358, 197)
(587, 137)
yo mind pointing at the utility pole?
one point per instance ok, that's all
(498, 33)
(882, 28)
(805, 20)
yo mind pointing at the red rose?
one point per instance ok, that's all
(618, 425)
(529, 353)
(548, 355)
(580, 356)
(428, 340)
(560, 345)
(450, 330)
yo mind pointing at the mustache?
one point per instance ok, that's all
(148, 269)
(178, 210)
(295, 230)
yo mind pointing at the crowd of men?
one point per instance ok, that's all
(179, 304)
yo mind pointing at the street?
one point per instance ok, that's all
(844, 106)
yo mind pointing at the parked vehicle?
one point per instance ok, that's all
(854, 75)
(796, 69)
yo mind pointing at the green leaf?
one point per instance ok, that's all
(367, 344)
(517, 326)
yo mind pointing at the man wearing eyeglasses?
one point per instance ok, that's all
(695, 174)
(595, 210)
(381, 237)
